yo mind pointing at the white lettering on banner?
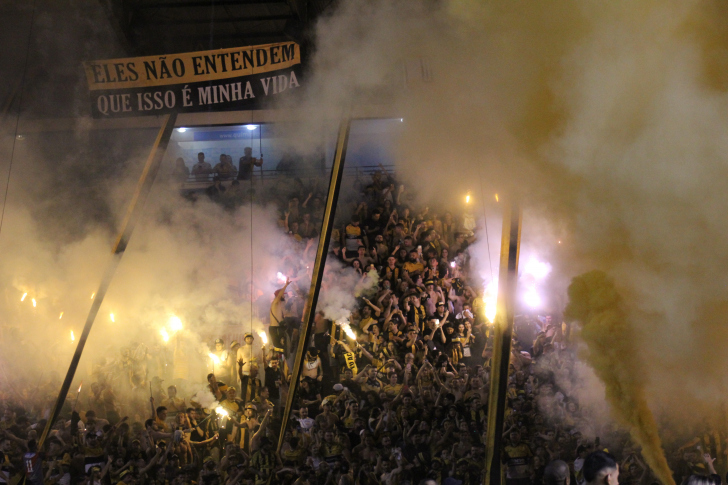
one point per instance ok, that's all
(205, 95)
(293, 80)
(113, 103)
(265, 82)
(248, 91)
(235, 89)
(282, 83)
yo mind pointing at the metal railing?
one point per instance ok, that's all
(203, 181)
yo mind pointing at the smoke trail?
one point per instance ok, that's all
(597, 306)
(343, 286)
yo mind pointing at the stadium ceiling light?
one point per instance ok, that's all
(182, 130)
(251, 127)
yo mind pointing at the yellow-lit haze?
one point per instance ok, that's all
(607, 120)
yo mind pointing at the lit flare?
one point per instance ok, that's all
(33, 300)
(73, 337)
(490, 300)
(349, 332)
(175, 323)
(22, 298)
(214, 358)
(263, 337)
(165, 335)
(111, 315)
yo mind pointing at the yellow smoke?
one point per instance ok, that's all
(605, 327)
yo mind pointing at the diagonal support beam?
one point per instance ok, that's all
(133, 214)
(318, 271)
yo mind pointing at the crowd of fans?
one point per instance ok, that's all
(404, 402)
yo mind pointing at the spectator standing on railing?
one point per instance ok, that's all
(276, 316)
(201, 170)
(247, 163)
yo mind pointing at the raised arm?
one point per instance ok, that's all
(374, 307)
(255, 440)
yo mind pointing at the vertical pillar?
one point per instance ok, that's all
(503, 333)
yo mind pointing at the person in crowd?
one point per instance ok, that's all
(247, 164)
(277, 314)
(216, 190)
(601, 468)
(225, 168)
(246, 355)
(556, 473)
(353, 235)
(202, 169)
(398, 395)
(180, 171)
(222, 366)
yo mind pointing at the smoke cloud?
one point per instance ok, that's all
(607, 120)
(605, 327)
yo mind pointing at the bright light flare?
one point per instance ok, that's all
(220, 411)
(263, 337)
(111, 315)
(61, 317)
(73, 337)
(538, 269)
(532, 298)
(496, 198)
(349, 332)
(453, 264)
(79, 387)
(165, 335)
(344, 324)
(22, 298)
(175, 323)
(214, 358)
(33, 300)
(281, 277)
(490, 308)
(467, 199)
(93, 295)
(490, 300)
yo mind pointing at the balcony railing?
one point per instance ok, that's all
(263, 176)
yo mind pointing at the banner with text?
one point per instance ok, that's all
(218, 80)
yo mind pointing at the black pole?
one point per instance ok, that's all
(318, 271)
(133, 214)
(507, 283)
